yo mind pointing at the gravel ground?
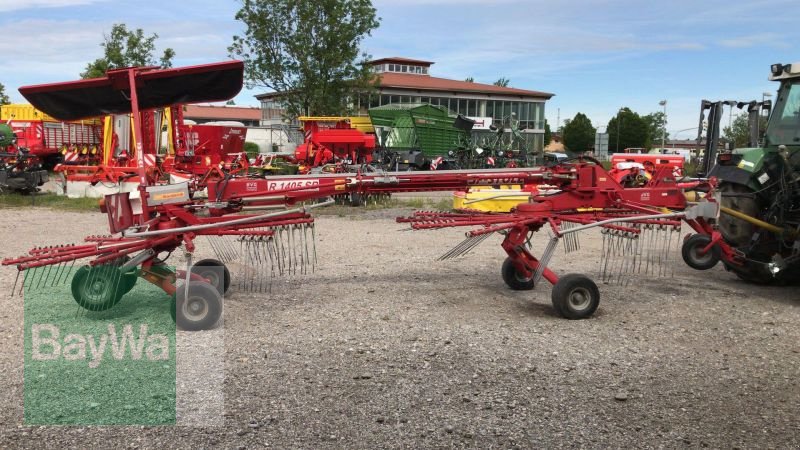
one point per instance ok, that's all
(383, 347)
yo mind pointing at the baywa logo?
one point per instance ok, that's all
(48, 347)
(111, 367)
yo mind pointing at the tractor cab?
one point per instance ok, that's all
(784, 123)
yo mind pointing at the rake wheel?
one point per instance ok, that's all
(575, 296)
(514, 279)
(693, 256)
(199, 310)
(98, 288)
(215, 272)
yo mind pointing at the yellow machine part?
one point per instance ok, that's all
(490, 199)
(108, 138)
(362, 124)
(25, 111)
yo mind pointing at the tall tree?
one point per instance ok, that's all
(739, 131)
(127, 48)
(548, 133)
(632, 131)
(502, 82)
(4, 100)
(578, 134)
(308, 50)
(656, 127)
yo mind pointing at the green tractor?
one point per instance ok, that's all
(760, 188)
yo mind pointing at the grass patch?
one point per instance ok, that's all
(49, 200)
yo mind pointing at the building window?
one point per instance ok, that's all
(472, 108)
(424, 70)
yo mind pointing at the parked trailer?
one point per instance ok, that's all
(414, 135)
(51, 140)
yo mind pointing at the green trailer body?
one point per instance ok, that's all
(430, 129)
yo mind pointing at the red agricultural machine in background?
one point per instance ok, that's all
(53, 141)
(331, 144)
(173, 152)
(640, 225)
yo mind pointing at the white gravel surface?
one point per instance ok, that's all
(383, 347)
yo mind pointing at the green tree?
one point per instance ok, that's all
(127, 48)
(578, 134)
(469, 80)
(548, 133)
(739, 131)
(308, 51)
(656, 128)
(502, 82)
(632, 131)
(4, 100)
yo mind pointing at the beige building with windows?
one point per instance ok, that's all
(404, 80)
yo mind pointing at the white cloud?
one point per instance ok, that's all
(753, 40)
(18, 5)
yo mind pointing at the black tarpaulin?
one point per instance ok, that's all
(111, 94)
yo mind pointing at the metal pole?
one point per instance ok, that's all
(664, 129)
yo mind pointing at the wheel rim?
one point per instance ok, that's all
(518, 276)
(579, 299)
(698, 256)
(195, 308)
(212, 277)
(96, 291)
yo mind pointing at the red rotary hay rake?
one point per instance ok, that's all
(638, 223)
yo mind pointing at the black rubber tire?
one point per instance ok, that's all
(172, 307)
(357, 199)
(752, 273)
(512, 278)
(106, 290)
(737, 232)
(575, 296)
(129, 280)
(209, 269)
(690, 251)
(201, 310)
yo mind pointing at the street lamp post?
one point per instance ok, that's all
(664, 129)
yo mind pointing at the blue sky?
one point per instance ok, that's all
(596, 56)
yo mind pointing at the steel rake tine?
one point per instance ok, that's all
(463, 247)
(314, 242)
(449, 254)
(476, 243)
(57, 274)
(304, 230)
(475, 240)
(14, 288)
(49, 270)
